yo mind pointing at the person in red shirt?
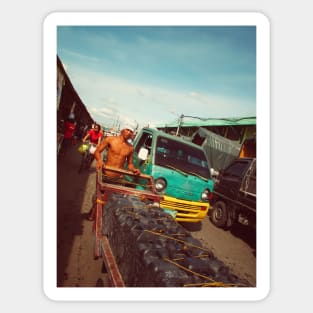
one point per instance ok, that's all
(69, 130)
(94, 135)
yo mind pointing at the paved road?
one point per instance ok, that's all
(236, 247)
(76, 265)
(75, 262)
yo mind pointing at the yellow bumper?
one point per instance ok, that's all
(186, 211)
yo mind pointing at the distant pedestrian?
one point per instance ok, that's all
(69, 131)
(80, 133)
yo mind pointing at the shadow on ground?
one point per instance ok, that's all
(70, 193)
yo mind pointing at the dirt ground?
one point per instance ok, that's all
(76, 264)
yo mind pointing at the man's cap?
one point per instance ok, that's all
(129, 125)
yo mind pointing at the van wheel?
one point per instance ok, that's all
(219, 214)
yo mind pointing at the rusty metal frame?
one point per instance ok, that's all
(101, 245)
(107, 187)
(110, 263)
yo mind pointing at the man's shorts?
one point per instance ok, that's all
(118, 180)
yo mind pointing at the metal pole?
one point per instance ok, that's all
(179, 124)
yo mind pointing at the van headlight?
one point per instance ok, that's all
(160, 184)
(206, 195)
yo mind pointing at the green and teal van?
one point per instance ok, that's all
(181, 172)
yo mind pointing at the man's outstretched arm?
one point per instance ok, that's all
(131, 166)
(98, 151)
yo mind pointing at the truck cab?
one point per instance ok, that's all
(235, 194)
(181, 173)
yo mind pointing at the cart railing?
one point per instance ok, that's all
(103, 189)
(128, 187)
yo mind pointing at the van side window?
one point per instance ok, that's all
(148, 142)
(145, 141)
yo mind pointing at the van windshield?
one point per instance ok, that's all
(185, 158)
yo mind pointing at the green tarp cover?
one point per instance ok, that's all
(198, 122)
(219, 150)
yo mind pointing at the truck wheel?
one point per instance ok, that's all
(231, 218)
(219, 214)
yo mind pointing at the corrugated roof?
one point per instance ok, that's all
(197, 122)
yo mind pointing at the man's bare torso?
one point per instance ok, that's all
(119, 150)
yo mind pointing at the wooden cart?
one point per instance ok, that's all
(103, 190)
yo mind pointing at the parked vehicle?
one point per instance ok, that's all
(235, 194)
(181, 172)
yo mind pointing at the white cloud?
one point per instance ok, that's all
(107, 97)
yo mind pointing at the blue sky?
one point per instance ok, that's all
(154, 74)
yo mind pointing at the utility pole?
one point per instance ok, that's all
(180, 121)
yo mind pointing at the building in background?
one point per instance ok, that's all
(236, 129)
(223, 140)
(68, 101)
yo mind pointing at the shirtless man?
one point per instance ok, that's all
(119, 151)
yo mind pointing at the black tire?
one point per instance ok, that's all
(143, 241)
(219, 214)
(89, 161)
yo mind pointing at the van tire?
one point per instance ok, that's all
(219, 214)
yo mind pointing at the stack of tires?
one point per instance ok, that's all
(152, 250)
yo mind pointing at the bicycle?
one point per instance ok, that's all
(87, 157)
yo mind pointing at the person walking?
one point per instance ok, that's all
(69, 130)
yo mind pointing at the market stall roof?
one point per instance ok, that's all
(198, 122)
